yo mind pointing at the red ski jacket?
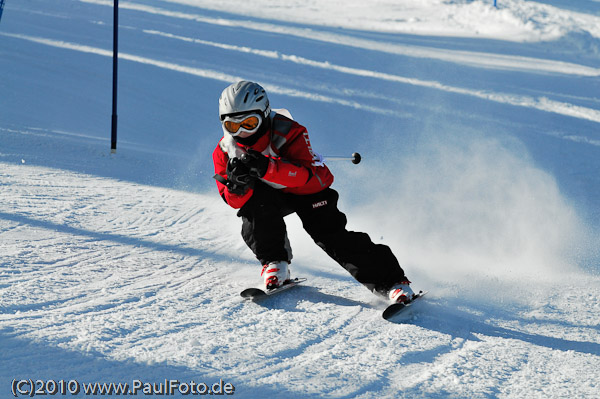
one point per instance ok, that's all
(293, 165)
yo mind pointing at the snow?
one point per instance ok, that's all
(479, 129)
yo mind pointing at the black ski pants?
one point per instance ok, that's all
(264, 231)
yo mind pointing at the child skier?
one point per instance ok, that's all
(266, 168)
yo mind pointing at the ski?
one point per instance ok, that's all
(257, 293)
(397, 308)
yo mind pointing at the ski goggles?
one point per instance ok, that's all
(244, 125)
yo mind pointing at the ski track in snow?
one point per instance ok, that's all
(110, 273)
(542, 103)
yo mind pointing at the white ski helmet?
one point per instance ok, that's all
(243, 97)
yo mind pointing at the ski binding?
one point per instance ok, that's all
(396, 308)
(257, 293)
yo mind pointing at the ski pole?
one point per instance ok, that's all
(355, 158)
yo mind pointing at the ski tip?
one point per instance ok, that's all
(252, 293)
(393, 310)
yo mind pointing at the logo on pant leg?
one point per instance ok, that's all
(319, 204)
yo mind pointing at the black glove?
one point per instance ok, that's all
(256, 162)
(238, 177)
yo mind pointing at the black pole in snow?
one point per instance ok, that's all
(113, 135)
(1, 8)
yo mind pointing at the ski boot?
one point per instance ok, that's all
(401, 292)
(275, 274)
